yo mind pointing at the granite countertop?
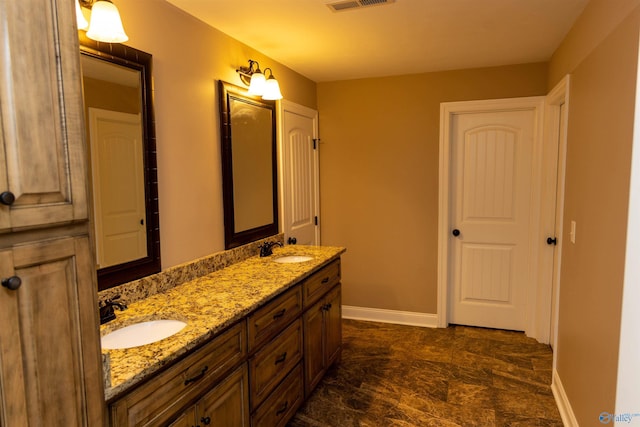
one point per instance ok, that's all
(208, 305)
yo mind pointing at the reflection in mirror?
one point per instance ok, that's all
(112, 97)
(121, 146)
(249, 166)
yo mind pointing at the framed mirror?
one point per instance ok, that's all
(249, 166)
(122, 161)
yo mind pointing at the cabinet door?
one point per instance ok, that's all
(49, 345)
(41, 115)
(313, 346)
(333, 326)
(187, 419)
(227, 405)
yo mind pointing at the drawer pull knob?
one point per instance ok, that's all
(283, 408)
(325, 280)
(12, 283)
(7, 198)
(281, 358)
(206, 420)
(279, 314)
(197, 377)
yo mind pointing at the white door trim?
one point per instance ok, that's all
(554, 213)
(285, 105)
(447, 110)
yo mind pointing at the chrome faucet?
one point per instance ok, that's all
(266, 248)
(106, 309)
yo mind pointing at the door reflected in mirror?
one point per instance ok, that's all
(122, 158)
(112, 98)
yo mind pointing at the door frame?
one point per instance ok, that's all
(558, 96)
(291, 107)
(447, 111)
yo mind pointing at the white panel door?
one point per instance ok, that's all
(300, 166)
(118, 183)
(492, 170)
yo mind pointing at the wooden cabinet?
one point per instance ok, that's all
(50, 365)
(226, 405)
(186, 419)
(271, 318)
(44, 326)
(157, 401)
(272, 362)
(275, 366)
(283, 403)
(277, 355)
(322, 337)
(42, 144)
(318, 284)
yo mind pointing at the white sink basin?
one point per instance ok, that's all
(141, 333)
(293, 259)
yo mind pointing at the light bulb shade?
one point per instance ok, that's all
(106, 25)
(271, 89)
(256, 87)
(82, 22)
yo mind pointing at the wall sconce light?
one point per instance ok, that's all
(259, 84)
(105, 24)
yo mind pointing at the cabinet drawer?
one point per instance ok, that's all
(320, 282)
(157, 400)
(282, 403)
(267, 321)
(272, 362)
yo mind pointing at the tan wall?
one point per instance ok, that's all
(188, 59)
(595, 23)
(602, 100)
(379, 175)
(110, 96)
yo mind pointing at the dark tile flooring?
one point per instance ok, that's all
(393, 375)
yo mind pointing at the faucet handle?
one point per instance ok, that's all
(266, 248)
(112, 299)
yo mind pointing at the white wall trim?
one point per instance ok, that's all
(564, 407)
(427, 320)
(447, 111)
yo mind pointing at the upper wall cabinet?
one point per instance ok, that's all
(50, 363)
(38, 132)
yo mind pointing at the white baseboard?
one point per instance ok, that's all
(427, 320)
(564, 407)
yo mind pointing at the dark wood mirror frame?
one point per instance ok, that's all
(142, 62)
(228, 92)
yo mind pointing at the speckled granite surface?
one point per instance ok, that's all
(174, 276)
(208, 304)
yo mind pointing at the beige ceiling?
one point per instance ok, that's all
(403, 37)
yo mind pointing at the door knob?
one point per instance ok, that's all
(7, 198)
(12, 283)
(552, 241)
(292, 240)
(455, 232)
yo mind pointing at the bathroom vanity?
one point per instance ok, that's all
(260, 335)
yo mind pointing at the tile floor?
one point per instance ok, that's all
(393, 375)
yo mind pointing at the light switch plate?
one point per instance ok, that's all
(572, 234)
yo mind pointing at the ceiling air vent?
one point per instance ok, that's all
(356, 4)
